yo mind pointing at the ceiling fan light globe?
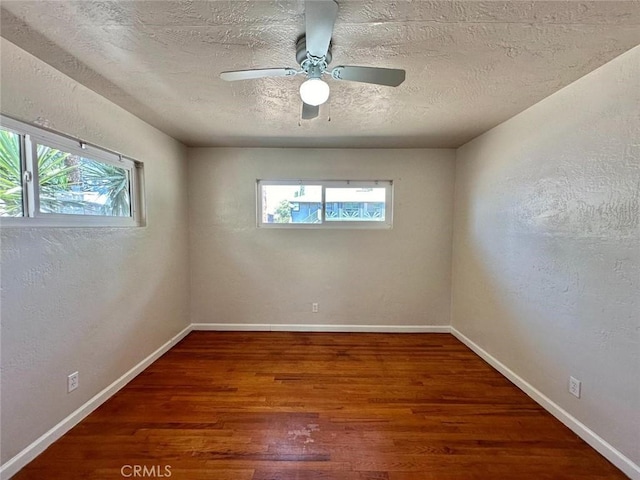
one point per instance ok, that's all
(314, 91)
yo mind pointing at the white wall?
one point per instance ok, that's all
(242, 274)
(96, 300)
(546, 274)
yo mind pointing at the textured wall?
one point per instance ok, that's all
(242, 274)
(546, 273)
(96, 300)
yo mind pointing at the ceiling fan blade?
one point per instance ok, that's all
(390, 77)
(251, 74)
(309, 111)
(320, 15)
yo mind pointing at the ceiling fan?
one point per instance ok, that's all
(313, 53)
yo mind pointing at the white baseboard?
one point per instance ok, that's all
(12, 466)
(295, 327)
(625, 464)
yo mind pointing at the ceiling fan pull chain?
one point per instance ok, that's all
(313, 54)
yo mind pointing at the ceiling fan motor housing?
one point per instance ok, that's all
(301, 52)
(313, 54)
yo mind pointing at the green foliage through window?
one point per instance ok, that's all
(325, 203)
(67, 181)
(77, 185)
(10, 175)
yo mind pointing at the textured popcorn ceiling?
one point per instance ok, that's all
(470, 64)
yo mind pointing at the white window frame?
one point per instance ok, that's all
(324, 184)
(30, 137)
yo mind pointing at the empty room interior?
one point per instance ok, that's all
(289, 239)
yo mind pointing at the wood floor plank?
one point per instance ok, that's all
(306, 406)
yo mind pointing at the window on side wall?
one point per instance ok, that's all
(52, 180)
(324, 204)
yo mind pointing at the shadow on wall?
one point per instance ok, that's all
(550, 279)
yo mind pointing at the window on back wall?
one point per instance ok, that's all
(322, 204)
(53, 180)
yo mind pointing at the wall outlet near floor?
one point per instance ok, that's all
(314, 308)
(72, 382)
(574, 386)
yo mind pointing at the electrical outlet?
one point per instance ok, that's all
(574, 386)
(72, 382)
(314, 308)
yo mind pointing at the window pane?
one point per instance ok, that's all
(350, 204)
(10, 175)
(291, 204)
(71, 184)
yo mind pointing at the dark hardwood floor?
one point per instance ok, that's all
(305, 406)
